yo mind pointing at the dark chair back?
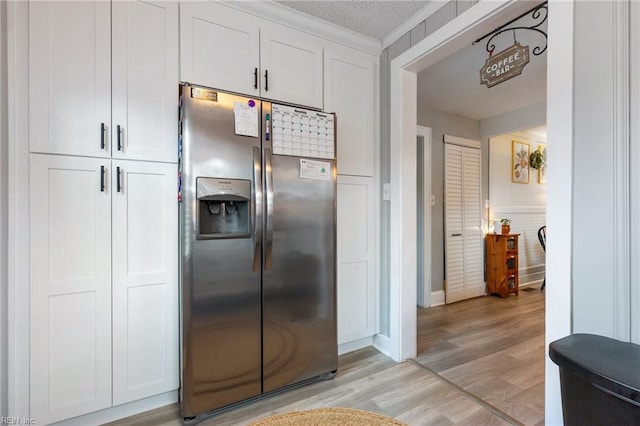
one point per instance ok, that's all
(542, 237)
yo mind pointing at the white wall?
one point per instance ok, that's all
(525, 204)
(3, 211)
(442, 123)
(524, 118)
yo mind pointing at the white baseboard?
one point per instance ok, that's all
(355, 345)
(437, 298)
(530, 284)
(383, 344)
(122, 411)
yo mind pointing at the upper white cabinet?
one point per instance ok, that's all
(220, 48)
(145, 80)
(69, 77)
(291, 66)
(349, 91)
(232, 50)
(78, 53)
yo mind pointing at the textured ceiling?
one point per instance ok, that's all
(372, 18)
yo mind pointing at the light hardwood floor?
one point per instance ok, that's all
(481, 362)
(492, 348)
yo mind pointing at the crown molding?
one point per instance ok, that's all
(408, 25)
(269, 9)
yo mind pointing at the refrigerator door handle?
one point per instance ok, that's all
(257, 209)
(268, 172)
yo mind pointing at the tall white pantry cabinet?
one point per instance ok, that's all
(103, 81)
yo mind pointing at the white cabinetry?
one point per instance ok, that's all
(145, 80)
(350, 90)
(228, 49)
(70, 240)
(69, 76)
(70, 79)
(101, 305)
(103, 92)
(145, 279)
(350, 86)
(291, 66)
(219, 48)
(103, 269)
(357, 294)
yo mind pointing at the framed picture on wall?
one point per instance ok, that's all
(542, 175)
(520, 162)
(542, 170)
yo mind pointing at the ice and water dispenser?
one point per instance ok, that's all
(224, 208)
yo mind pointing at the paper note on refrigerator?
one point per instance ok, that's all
(318, 170)
(246, 118)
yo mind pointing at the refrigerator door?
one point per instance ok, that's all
(221, 226)
(299, 301)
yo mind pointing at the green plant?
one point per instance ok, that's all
(505, 222)
(538, 158)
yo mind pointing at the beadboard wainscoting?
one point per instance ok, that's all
(526, 221)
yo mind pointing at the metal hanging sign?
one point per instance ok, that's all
(504, 65)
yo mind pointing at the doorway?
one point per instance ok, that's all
(403, 78)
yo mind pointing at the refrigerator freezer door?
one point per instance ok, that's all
(221, 287)
(299, 311)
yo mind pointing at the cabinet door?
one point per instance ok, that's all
(357, 300)
(69, 77)
(145, 280)
(145, 80)
(70, 275)
(219, 47)
(291, 64)
(349, 91)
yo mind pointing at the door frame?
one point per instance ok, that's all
(425, 289)
(458, 33)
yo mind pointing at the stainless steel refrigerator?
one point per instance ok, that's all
(258, 247)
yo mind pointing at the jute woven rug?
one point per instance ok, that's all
(328, 417)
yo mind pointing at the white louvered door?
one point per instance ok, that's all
(463, 220)
(472, 235)
(454, 224)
